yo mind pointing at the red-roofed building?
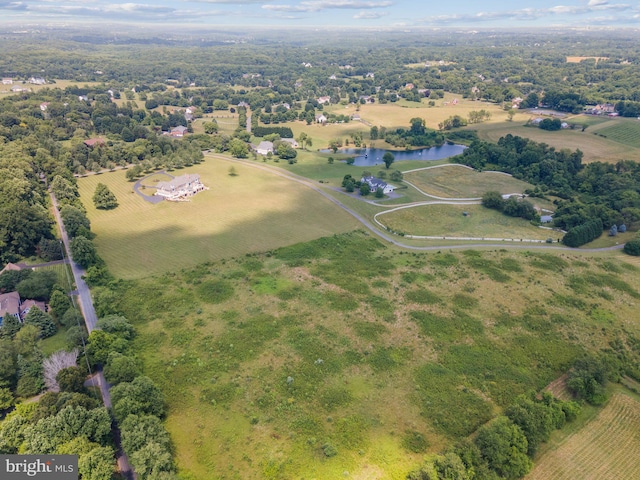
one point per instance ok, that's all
(92, 142)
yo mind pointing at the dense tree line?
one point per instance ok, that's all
(607, 193)
(503, 448)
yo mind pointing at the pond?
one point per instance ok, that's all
(366, 157)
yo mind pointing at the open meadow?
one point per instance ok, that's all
(251, 212)
(395, 115)
(344, 355)
(458, 181)
(449, 220)
(618, 144)
(600, 449)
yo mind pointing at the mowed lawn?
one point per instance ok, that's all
(449, 220)
(457, 181)
(602, 449)
(594, 147)
(254, 211)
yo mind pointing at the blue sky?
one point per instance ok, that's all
(351, 13)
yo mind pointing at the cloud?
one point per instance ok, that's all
(527, 13)
(369, 15)
(318, 5)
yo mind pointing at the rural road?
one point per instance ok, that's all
(91, 320)
(304, 181)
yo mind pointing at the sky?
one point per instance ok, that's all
(328, 13)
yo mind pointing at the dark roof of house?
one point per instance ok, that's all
(374, 182)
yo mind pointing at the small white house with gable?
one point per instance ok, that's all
(180, 188)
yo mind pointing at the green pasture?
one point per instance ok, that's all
(251, 212)
(449, 220)
(594, 147)
(227, 122)
(332, 356)
(457, 181)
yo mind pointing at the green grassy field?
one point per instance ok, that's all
(253, 211)
(594, 147)
(457, 181)
(441, 220)
(344, 345)
(624, 131)
(61, 84)
(600, 449)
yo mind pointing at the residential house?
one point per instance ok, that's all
(333, 77)
(536, 121)
(409, 86)
(9, 305)
(10, 267)
(546, 219)
(44, 106)
(367, 98)
(323, 100)
(291, 141)
(180, 188)
(7, 81)
(320, 118)
(264, 148)
(83, 98)
(355, 117)
(179, 131)
(243, 104)
(92, 142)
(27, 305)
(18, 88)
(375, 183)
(37, 81)
(370, 75)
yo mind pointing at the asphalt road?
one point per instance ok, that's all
(86, 307)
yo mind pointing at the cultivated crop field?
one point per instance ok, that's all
(624, 131)
(604, 448)
(458, 181)
(253, 211)
(354, 357)
(449, 220)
